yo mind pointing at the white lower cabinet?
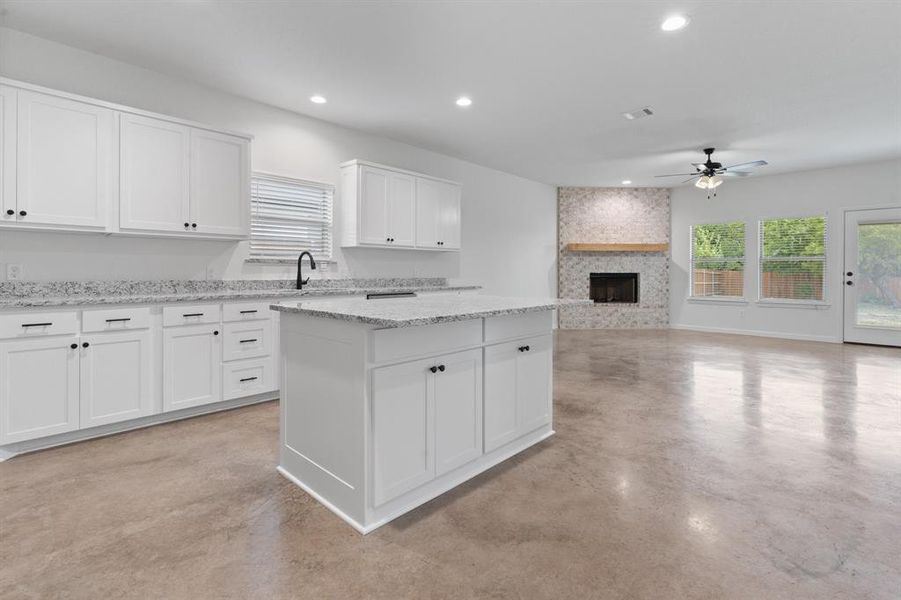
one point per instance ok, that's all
(192, 366)
(38, 387)
(426, 420)
(115, 383)
(517, 389)
(248, 377)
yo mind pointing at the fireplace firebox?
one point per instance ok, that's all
(619, 288)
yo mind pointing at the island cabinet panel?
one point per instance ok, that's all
(517, 389)
(402, 428)
(192, 367)
(38, 388)
(116, 377)
(458, 410)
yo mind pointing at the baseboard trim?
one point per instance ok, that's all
(71, 437)
(767, 334)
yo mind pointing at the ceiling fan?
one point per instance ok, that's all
(709, 174)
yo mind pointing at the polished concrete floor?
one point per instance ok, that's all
(684, 466)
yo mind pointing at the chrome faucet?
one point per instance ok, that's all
(300, 281)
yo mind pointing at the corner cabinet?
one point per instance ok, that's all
(385, 207)
(70, 163)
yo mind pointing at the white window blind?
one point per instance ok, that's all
(793, 258)
(718, 260)
(289, 216)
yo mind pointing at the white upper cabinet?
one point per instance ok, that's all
(65, 162)
(7, 154)
(391, 208)
(154, 174)
(220, 184)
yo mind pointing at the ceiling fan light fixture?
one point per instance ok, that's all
(714, 182)
(702, 182)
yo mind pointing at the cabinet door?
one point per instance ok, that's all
(192, 366)
(428, 209)
(449, 217)
(401, 209)
(153, 157)
(7, 154)
(373, 206)
(518, 391)
(38, 388)
(65, 166)
(501, 409)
(458, 410)
(402, 429)
(220, 184)
(116, 382)
(533, 383)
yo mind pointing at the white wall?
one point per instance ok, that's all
(508, 228)
(828, 191)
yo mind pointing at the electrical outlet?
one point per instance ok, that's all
(13, 272)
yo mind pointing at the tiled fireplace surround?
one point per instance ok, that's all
(609, 216)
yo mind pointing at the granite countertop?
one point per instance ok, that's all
(406, 312)
(96, 293)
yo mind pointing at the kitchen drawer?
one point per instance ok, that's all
(115, 319)
(36, 324)
(505, 327)
(416, 342)
(246, 311)
(190, 314)
(246, 340)
(247, 377)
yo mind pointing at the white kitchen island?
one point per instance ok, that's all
(388, 403)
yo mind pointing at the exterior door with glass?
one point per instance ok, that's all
(872, 276)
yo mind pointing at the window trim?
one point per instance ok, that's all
(793, 302)
(743, 299)
(251, 259)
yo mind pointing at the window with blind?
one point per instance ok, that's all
(792, 259)
(289, 216)
(718, 260)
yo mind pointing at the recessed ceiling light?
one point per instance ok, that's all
(674, 23)
(317, 99)
(464, 101)
(627, 181)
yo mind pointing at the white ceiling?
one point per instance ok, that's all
(801, 84)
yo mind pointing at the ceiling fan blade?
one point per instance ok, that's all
(734, 174)
(748, 165)
(690, 178)
(676, 175)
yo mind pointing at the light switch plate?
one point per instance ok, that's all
(13, 271)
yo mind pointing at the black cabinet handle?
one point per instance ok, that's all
(433, 369)
(849, 283)
(524, 348)
(36, 324)
(247, 379)
(247, 341)
(441, 368)
(247, 312)
(194, 225)
(85, 345)
(849, 273)
(22, 213)
(74, 346)
(122, 320)
(528, 348)
(10, 212)
(215, 333)
(192, 314)
(187, 225)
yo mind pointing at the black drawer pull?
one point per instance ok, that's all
(247, 379)
(247, 312)
(122, 320)
(36, 324)
(193, 315)
(248, 341)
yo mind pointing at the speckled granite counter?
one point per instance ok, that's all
(15, 294)
(405, 312)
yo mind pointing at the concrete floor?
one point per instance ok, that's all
(684, 466)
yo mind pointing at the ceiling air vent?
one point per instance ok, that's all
(639, 113)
